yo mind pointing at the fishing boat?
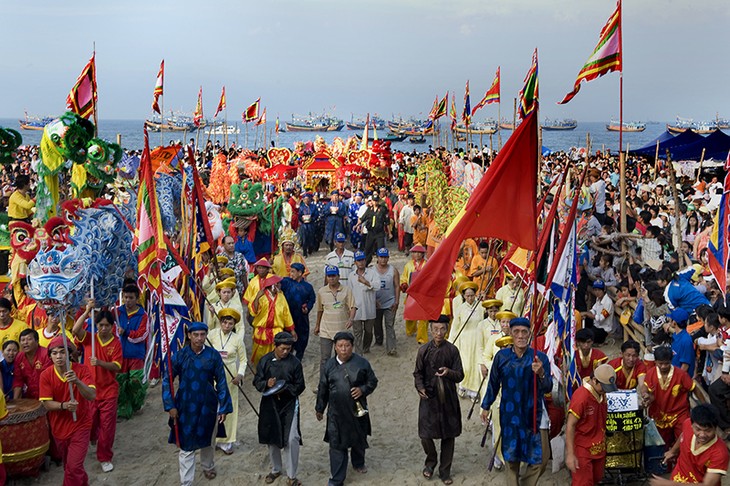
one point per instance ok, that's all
(411, 128)
(221, 130)
(312, 123)
(176, 122)
(722, 123)
(417, 139)
(556, 125)
(508, 125)
(34, 122)
(387, 138)
(615, 126)
(487, 127)
(359, 123)
(682, 124)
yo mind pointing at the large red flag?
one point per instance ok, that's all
(502, 206)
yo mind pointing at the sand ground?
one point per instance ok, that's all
(144, 458)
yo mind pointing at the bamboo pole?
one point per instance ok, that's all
(699, 170)
(499, 129)
(225, 125)
(677, 221)
(514, 115)
(656, 160)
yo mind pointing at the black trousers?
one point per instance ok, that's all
(719, 396)
(373, 242)
(447, 455)
(338, 464)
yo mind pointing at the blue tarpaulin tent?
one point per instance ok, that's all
(667, 141)
(716, 146)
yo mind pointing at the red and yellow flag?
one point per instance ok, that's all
(252, 112)
(82, 98)
(442, 107)
(198, 114)
(158, 88)
(452, 114)
(491, 96)
(262, 119)
(606, 56)
(221, 103)
(149, 237)
(530, 92)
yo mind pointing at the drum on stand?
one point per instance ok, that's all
(624, 431)
(24, 436)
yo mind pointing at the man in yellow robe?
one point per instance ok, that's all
(271, 316)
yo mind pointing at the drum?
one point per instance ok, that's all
(624, 431)
(24, 437)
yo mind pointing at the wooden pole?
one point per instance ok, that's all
(656, 160)
(677, 222)
(699, 170)
(622, 190)
(96, 109)
(119, 139)
(514, 115)
(225, 126)
(499, 129)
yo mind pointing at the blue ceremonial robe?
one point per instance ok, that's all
(308, 231)
(355, 236)
(514, 376)
(201, 395)
(335, 222)
(298, 293)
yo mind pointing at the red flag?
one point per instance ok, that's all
(491, 96)
(252, 112)
(502, 206)
(82, 98)
(221, 103)
(159, 84)
(198, 115)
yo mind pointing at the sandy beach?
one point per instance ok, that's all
(144, 458)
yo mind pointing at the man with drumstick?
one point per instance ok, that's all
(69, 408)
(280, 378)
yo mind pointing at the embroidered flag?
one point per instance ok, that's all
(158, 88)
(221, 103)
(82, 98)
(452, 114)
(262, 119)
(276, 125)
(466, 114)
(198, 115)
(529, 94)
(491, 96)
(718, 246)
(252, 112)
(434, 108)
(606, 56)
(442, 107)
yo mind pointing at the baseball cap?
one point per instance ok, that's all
(359, 255)
(340, 237)
(599, 284)
(606, 376)
(679, 315)
(331, 270)
(383, 252)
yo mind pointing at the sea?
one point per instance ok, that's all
(131, 134)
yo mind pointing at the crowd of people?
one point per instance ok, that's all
(645, 289)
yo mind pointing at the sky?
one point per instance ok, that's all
(344, 57)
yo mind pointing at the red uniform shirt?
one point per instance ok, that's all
(671, 398)
(29, 374)
(590, 431)
(627, 380)
(55, 387)
(111, 352)
(586, 366)
(693, 462)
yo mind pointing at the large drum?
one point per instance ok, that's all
(24, 437)
(624, 431)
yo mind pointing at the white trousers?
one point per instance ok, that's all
(291, 450)
(186, 460)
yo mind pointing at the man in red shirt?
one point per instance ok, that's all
(702, 458)
(28, 365)
(71, 436)
(585, 433)
(104, 367)
(630, 370)
(588, 359)
(666, 391)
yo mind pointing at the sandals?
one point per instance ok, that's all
(427, 472)
(447, 481)
(210, 474)
(361, 470)
(293, 482)
(271, 477)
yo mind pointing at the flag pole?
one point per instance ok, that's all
(621, 158)
(499, 121)
(225, 125)
(93, 97)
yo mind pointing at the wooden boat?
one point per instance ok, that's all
(483, 128)
(175, 123)
(507, 125)
(417, 139)
(615, 126)
(220, 130)
(682, 124)
(556, 125)
(387, 138)
(34, 122)
(314, 123)
(359, 123)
